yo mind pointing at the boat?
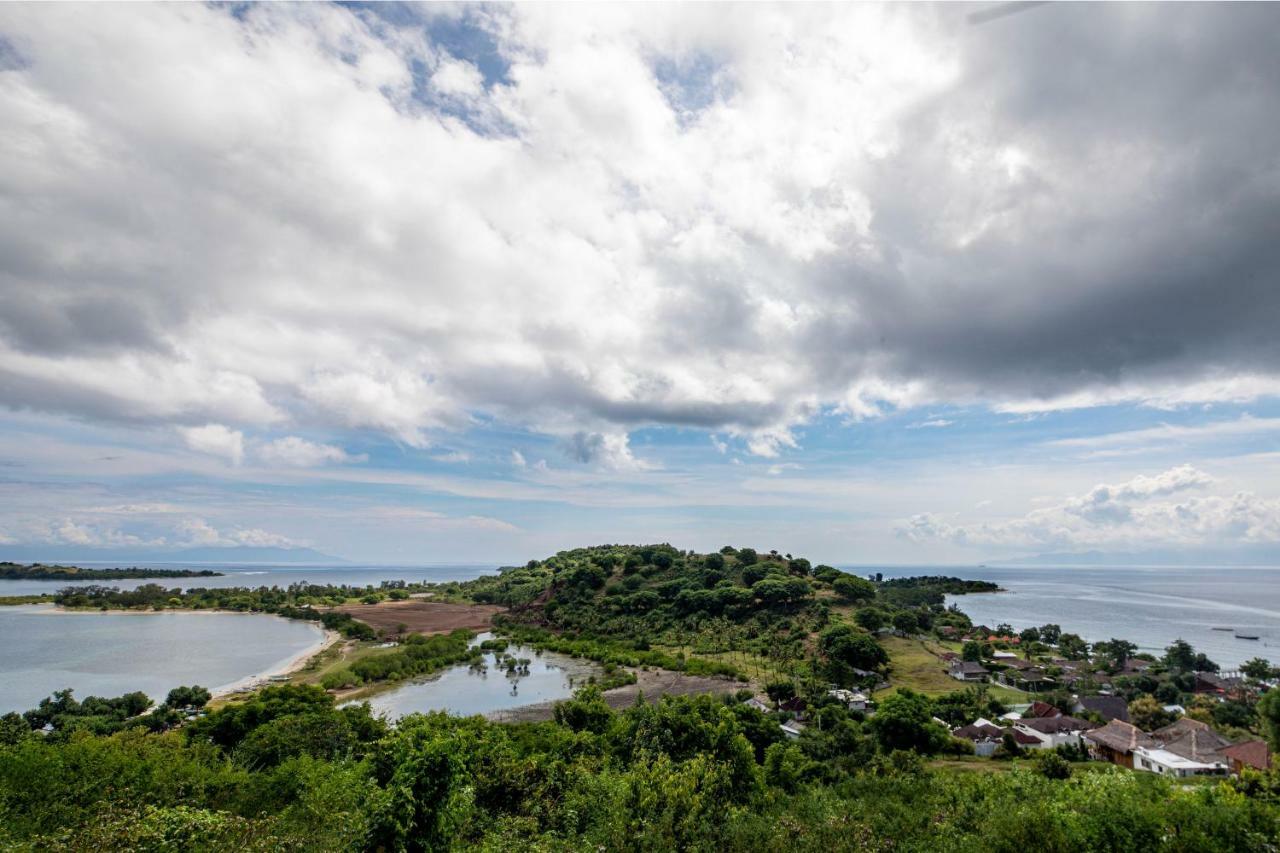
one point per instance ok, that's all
(1220, 629)
(1240, 636)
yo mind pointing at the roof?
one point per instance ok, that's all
(1172, 759)
(1218, 682)
(1253, 753)
(1056, 725)
(969, 667)
(1044, 709)
(1121, 737)
(1023, 737)
(1192, 739)
(1108, 707)
(975, 731)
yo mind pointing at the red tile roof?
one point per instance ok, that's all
(1253, 753)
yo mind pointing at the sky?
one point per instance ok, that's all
(417, 283)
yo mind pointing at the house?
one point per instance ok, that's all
(1025, 677)
(1053, 732)
(1003, 656)
(795, 705)
(792, 729)
(1108, 707)
(984, 736)
(1251, 753)
(968, 670)
(762, 707)
(1214, 684)
(854, 700)
(1168, 763)
(1134, 666)
(1194, 741)
(1043, 709)
(1116, 741)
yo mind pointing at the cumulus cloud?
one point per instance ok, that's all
(216, 440)
(432, 520)
(300, 453)
(197, 532)
(1124, 515)
(312, 215)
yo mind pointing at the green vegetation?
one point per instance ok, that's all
(417, 655)
(287, 770)
(41, 572)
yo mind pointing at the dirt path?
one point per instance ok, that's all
(649, 683)
(423, 617)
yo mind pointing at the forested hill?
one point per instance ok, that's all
(41, 572)
(765, 605)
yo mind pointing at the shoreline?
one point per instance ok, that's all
(286, 668)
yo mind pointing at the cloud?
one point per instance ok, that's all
(335, 219)
(300, 453)
(1125, 515)
(610, 451)
(216, 440)
(197, 532)
(933, 423)
(433, 520)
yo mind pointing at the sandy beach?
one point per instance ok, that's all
(286, 667)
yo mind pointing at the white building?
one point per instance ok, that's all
(854, 700)
(1166, 763)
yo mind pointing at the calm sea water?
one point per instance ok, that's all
(464, 691)
(255, 575)
(109, 654)
(1151, 607)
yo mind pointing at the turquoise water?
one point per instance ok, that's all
(109, 654)
(464, 691)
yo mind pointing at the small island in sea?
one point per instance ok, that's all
(42, 572)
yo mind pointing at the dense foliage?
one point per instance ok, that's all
(287, 770)
(41, 572)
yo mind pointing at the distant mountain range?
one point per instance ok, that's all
(69, 554)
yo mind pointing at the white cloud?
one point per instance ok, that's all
(432, 520)
(262, 218)
(933, 423)
(216, 440)
(298, 452)
(1125, 515)
(197, 532)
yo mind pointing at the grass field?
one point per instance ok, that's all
(915, 664)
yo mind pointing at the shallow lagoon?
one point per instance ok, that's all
(109, 654)
(464, 690)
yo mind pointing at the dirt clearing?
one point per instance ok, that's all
(423, 617)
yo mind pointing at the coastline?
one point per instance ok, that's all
(287, 667)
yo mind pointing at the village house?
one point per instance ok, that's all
(967, 670)
(1053, 732)
(985, 737)
(1168, 763)
(1254, 754)
(1108, 707)
(1116, 742)
(853, 700)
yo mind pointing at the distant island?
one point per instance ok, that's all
(41, 572)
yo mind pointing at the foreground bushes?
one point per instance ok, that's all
(288, 771)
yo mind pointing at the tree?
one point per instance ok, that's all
(1268, 709)
(1258, 668)
(973, 651)
(715, 562)
(586, 711)
(1180, 657)
(747, 556)
(1146, 713)
(847, 648)
(1052, 765)
(1117, 652)
(1029, 635)
(780, 691)
(870, 618)
(906, 622)
(188, 697)
(853, 589)
(1050, 634)
(905, 721)
(1073, 647)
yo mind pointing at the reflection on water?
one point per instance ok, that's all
(508, 677)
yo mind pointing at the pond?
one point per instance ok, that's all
(465, 690)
